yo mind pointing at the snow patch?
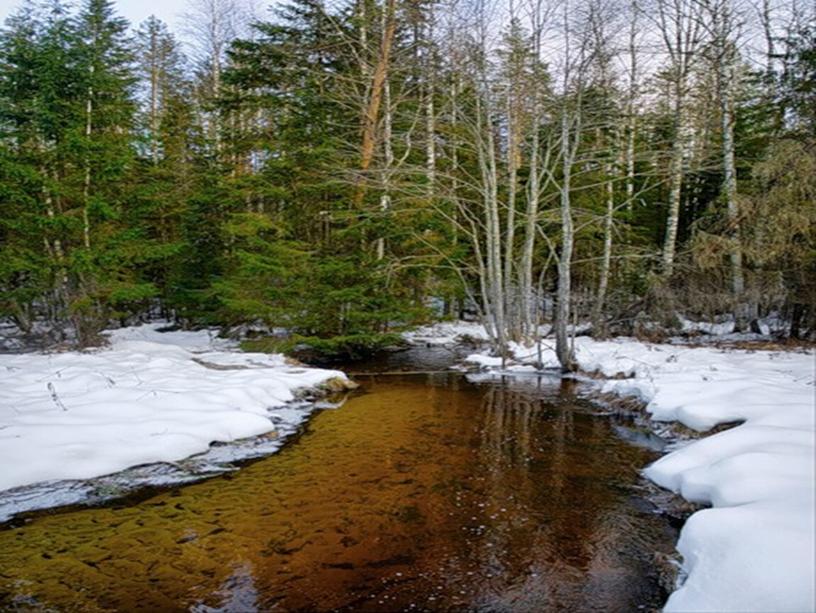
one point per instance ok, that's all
(446, 333)
(150, 397)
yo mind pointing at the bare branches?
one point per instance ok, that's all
(55, 398)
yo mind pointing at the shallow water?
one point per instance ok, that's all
(423, 492)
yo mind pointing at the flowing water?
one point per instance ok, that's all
(424, 492)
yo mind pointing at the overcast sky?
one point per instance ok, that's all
(135, 11)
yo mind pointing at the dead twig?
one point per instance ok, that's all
(55, 397)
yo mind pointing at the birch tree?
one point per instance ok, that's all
(210, 28)
(722, 25)
(573, 82)
(529, 298)
(679, 25)
(608, 141)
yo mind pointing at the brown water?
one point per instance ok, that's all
(423, 492)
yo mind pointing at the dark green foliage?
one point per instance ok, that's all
(336, 348)
(798, 79)
(131, 186)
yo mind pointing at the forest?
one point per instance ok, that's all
(344, 170)
(408, 305)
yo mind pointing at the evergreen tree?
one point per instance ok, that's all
(348, 164)
(799, 78)
(37, 85)
(292, 79)
(162, 173)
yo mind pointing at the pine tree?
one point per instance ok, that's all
(163, 169)
(292, 78)
(37, 85)
(107, 255)
(799, 78)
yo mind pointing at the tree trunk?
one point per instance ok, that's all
(372, 111)
(631, 116)
(86, 188)
(430, 114)
(675, 185)
(563, 348)
(528, 304)
(528, 296)
(154, 97)
(385, 199)
(797, 314)
(680, 25)
(510, 231)
(492, 222)
(725, 87)
(598, 325)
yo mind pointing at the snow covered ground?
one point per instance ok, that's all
(150, 397)
(446, 333)
(754, 549)
(455, 332)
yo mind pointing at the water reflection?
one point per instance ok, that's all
(238, 593)
(422, 493)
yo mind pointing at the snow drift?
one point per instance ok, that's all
(150, 397)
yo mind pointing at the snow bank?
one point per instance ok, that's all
(150, 397)
(707, 327)
(755, 549)
(452, 332)
(769, 326)
(446, 333)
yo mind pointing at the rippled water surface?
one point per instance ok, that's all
(423, 492)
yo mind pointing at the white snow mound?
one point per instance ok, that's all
(149, 397)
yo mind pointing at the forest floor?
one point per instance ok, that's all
(148, 397)
(753, 548)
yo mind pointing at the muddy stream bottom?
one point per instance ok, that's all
(424, 492)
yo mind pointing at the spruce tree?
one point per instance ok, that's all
(162, 171)
(37, 87)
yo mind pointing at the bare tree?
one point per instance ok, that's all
(722, 25)
(571, 120)
(680, 27)
(528, 298)
(608, 140)
(632, 98)
(210, 27)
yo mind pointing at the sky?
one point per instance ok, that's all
(135, 11)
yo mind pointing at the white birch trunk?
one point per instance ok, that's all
(631, 107)
(606, 260)
(563, 347)
(430, 114)
(680, 24)
(675, 183)
(154, 97)
(385, 198)
(86, 188)
(510, 231)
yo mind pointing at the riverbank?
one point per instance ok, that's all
(149, 397)
(753, 549)
(150, 390)
(425, 492)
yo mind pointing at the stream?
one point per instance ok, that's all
(425, 491)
